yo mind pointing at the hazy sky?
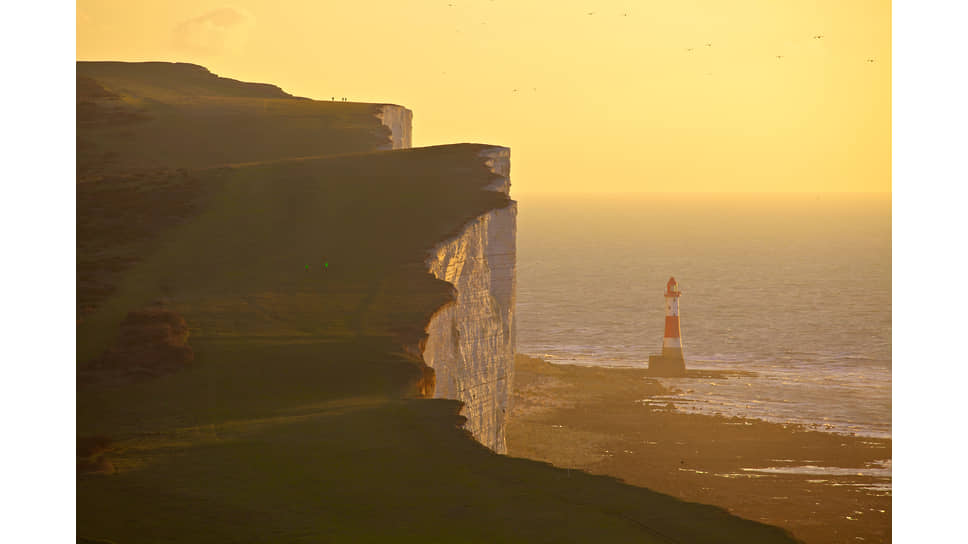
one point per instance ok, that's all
(590, 95)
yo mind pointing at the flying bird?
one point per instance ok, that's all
(779, 56)
(689, 49)
(591, 13)
(818, 37)
(870, 60)
(709, 45)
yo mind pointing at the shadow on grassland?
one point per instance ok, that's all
(291, 442)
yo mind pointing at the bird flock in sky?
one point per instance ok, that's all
(869, 60)
(779, 57)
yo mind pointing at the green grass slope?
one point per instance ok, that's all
(336, 243)
(144, 128)
(136, 115)
(173, 80)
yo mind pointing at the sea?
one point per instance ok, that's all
(793, 289)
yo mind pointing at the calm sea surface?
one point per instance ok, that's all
(794, 288)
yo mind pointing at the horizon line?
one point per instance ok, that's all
(695, 193)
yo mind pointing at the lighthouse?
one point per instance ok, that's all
(671, 362)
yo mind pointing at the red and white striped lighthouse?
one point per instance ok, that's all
(672, 339)
(671, 362)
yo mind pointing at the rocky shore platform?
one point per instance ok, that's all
(822, 487)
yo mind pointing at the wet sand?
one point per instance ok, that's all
(600, 420)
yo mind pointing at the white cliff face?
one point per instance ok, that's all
(400, 122)
(471, 341)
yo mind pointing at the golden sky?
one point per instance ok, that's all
(591, 96)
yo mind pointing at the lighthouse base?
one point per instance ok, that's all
(660, 365)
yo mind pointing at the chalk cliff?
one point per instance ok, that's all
(400, 122)
(471, 341)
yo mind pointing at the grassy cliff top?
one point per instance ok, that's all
(173, 80)
(145, 129)
(338, 241)
(157, 114)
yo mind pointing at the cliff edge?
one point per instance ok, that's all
(471, 341)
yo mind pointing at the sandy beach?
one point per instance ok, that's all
(823, 487)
